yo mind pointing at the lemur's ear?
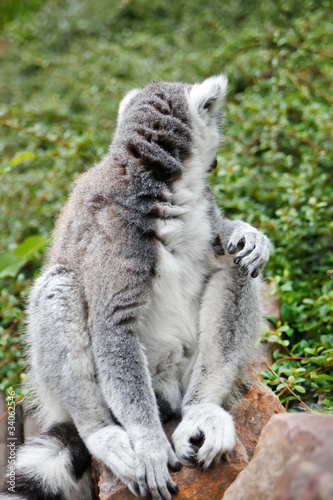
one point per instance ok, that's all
(208, 96)
(125, 101)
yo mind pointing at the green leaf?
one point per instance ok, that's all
(271, 319)
(286, 371)
(309, 301)
(324, 376)
(304, 344)
(280, 387)
(318, 360)
(268, 374)
(284, 328)
(285, 311)
(287, 287)
(22, 156)
(324, 309)
(299, 388)
(27, 249)
(277, 353)
(10, 264)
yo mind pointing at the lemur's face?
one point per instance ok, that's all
(205, 103)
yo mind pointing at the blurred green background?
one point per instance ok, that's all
(65, 65)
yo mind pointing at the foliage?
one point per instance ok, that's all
(67, 63)
(11, 263)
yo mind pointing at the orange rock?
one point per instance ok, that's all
(250, 415)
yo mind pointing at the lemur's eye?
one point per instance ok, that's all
(208, 103)
(213, 165)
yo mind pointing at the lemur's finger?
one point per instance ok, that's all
(256, 259)
(142, 481)
(157, 483)
(255, 273)
(254, 254)
(248, 248)
(185, 450)
(232, 248)
(243, 242)
(173, 462)
(133, 487)
(172, 487)
(236, 240)
(243, 253)
(251, 263)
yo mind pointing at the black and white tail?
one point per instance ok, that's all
(49, 466)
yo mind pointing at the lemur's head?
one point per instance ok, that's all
(172, 128)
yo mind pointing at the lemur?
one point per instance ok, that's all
(148, 305)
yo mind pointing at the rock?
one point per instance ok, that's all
(293, 460)
(270, 303)
(193, 483)
(264, 355)
(253, 411)
(250, 415)
(5, 438)
(271, 308)
(31, 426)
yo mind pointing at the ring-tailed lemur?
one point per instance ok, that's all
(146, 307)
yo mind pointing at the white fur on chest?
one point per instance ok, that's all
(170, 329)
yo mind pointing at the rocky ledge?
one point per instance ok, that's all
(250, 414)
(292, 461)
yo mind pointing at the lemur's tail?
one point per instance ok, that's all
(48, 467)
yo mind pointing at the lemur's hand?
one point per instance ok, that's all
(210, 424)
(251, 248)
(153, 456)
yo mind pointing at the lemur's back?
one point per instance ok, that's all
(138, 203)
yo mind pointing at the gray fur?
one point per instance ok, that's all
(140, 295)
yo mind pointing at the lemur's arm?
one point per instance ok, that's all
(117, 296)
(230, 323)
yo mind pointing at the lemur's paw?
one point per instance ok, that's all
(252, 250)
(153, 455)
(210, 424)
(112, 445)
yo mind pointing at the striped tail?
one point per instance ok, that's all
(49, 466)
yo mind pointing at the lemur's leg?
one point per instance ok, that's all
(101, 369)
(117, 305)
(168, 396)
(230, 323)
(64, 369)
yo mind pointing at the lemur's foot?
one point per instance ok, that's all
(207, 422)
(112, 445)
